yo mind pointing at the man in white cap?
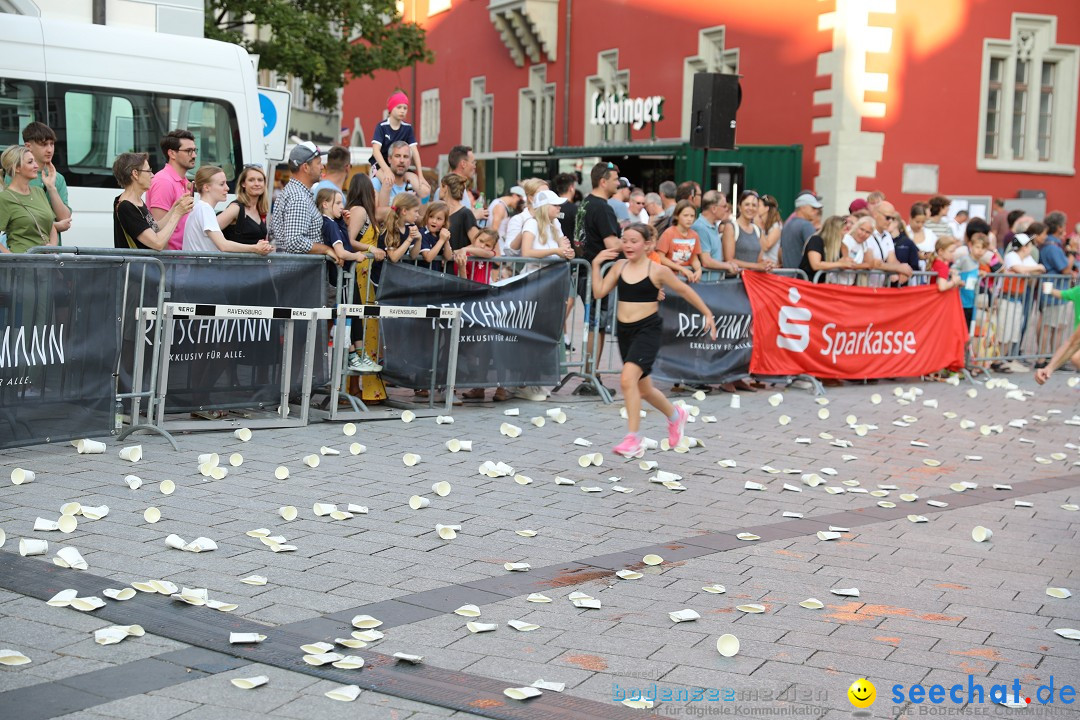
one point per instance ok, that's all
(619, 202)
(799, 228)
(296, 224)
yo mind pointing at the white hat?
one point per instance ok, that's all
(518, 190)
(808, 198)
(1021, 239)
(547, 197)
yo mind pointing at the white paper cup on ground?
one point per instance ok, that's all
(357, 448)
(167, 487)
(90, 447)
(242, 434)
(151, 515)
(67, 524)
(132, 453)
(322, 509)
(3, 537)
(444, 420)
(219, 473)
(242, 638)
(45, 525)
(418, 501)
(345, 693)
(325, 450)
(441, 488)
(736, 402)
(727, 645)
(70, 557)
(250, 683)
(287, 513)
(236, 459)
(21, 475)
(212, 458)
(175, 541)
(446, 532)
(349, 429)
(407, 416)
(33, 546)
(981, 534)
(312, 461)
(410, 459)
(453, 445)
(133, 481)
(281, 472)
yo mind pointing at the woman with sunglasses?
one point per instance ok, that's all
(742, 239)
(134, 227)
(245, 219)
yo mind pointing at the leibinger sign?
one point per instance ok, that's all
(618, 109)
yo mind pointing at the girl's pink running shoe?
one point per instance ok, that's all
(630, 447)
(675, 429)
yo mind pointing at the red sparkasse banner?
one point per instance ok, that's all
(839, 331)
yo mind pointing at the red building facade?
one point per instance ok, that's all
(912, 97)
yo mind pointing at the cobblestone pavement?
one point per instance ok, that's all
(933, 605)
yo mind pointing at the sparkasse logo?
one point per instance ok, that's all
(794, 324)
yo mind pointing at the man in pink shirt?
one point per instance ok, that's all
(172, 182)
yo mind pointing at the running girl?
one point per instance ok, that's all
(639, 281)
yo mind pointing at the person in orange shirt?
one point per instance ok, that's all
(679, 246)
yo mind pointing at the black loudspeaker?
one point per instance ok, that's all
(712, 113)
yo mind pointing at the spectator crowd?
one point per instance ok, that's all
(393, 214)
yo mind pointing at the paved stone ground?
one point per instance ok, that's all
(934, 605)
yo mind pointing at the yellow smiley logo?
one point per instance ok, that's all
(862, 693)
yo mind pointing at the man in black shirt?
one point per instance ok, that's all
(565, 185)
(596, 230)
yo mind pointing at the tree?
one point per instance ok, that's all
(310, 39)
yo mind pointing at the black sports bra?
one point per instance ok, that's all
(641, 291)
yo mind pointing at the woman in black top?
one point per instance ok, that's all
(245, 219)
(134, 227)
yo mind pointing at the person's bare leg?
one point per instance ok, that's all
(589, 366)
(631, 381)
(654, 397)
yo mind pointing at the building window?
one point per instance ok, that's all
(712, 57)
(608, 80)
(477, 116)
(429, 117)
(1027, 118)
(536, 112)
(437, 6)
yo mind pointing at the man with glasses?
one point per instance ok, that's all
(171, 182)
(882, 242)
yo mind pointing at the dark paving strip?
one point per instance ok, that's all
(424, 605)
(205, 628)
(81, 692)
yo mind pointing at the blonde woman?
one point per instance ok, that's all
(826, 251)
(246, 218)
(25, 213)
(511, 244)
(541, 234)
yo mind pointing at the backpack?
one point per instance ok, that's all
(662, 223)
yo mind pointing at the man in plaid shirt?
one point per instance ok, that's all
(296, 223)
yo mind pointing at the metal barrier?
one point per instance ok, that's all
(156, 409)
(576, 361)
(62, 327)
(1017, 319)
(339, 357)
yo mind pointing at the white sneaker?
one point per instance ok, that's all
(367, 365)
(530, 392)
(354, 363)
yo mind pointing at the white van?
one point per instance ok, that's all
(108, 90)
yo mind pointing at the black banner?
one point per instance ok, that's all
(510, 333)
(231, 362)
(59, 347)
(687, 354)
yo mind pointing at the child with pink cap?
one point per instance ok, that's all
(389, 131)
